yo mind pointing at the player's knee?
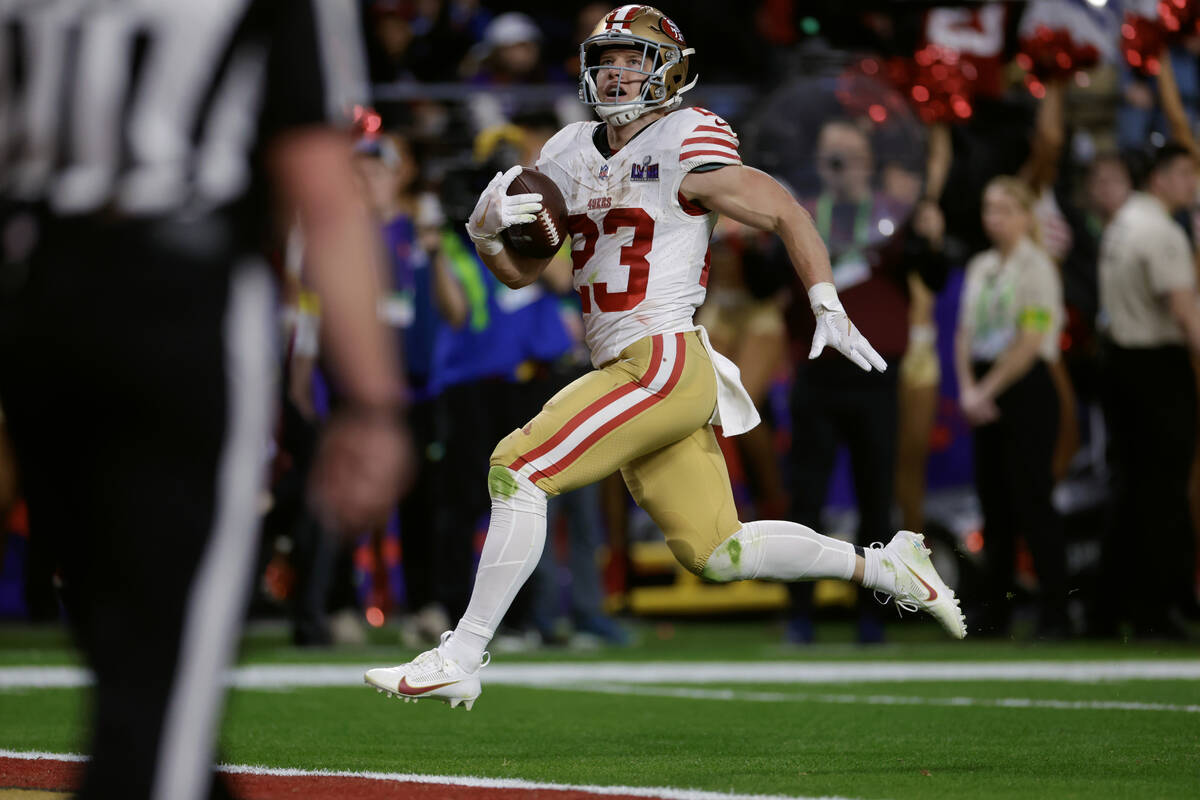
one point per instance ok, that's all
(725, 563)
(513, 489)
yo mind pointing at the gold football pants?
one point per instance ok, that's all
(645, 413)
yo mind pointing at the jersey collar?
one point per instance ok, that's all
(600, 138)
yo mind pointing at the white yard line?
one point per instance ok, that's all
(660, 792)
(875, 699)
(545, 674)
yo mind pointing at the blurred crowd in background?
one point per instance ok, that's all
(1007, 191)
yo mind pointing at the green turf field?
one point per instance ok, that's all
(879, 739)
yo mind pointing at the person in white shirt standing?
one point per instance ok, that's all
(1008, 328)
(1150, 312)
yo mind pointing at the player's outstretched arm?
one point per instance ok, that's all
(754, 198)
(495, 211)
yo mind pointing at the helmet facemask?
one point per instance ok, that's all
(663, 69)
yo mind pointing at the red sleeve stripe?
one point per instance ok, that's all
(728, 131)
(734, 157)
(720, 149)
(731, 143)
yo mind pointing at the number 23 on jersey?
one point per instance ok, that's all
(632, 256)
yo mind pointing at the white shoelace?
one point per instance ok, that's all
(883, 597)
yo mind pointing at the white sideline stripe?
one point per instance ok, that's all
(283, 676)
(661, 792)
(875, 699)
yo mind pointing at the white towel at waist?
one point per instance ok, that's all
(735, 411)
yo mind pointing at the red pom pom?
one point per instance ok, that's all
(941, 85)
(1179, 18)
(1142, 40)
(1054, 54)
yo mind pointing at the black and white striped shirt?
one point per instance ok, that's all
(151, 108)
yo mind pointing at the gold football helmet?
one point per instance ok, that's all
(664, 67)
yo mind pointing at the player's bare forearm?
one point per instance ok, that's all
(513, 270)
(804, 246)
(343, 261)
(754, 198)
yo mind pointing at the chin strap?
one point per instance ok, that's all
(627, 112)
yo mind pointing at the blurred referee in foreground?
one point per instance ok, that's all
(139, 142)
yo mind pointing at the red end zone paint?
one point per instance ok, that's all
(53, 774)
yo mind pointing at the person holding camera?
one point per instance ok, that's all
(833, 403)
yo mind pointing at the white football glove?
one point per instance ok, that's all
(835, 329)
(497, 210)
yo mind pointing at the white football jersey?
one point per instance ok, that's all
(640, 250)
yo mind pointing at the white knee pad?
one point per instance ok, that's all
(512, 490)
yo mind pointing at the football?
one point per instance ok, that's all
(545, 235)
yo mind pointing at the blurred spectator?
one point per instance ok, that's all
(1107, 186)
(586, 20)
(510, 52)
(1009, 321)
(292, 533)
(834, 402)
(920, 375)
(1055, 236)
(422, 40)
(425, 297)
(1151, 312)
(920, 370)
(510, 55)
(1139, 114)
(8, 472)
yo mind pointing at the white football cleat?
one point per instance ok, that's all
(918, 586)
(429, 675)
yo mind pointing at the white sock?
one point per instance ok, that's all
(775, 550)
(874, 574)
(515, 537)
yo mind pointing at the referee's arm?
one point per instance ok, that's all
(343, 263)
(364, 457)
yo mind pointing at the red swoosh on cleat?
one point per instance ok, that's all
(412, 691)
(932, 592)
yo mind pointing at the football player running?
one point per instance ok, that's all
(643, 190)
